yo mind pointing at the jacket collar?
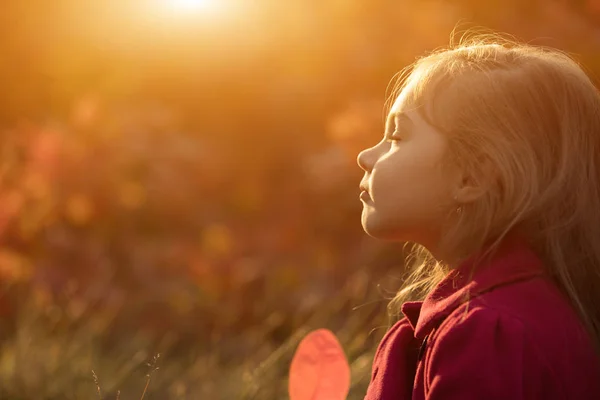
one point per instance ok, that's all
(514, 261)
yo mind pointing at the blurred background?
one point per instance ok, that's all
(178, 178)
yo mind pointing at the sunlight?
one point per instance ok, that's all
(194, 5)
(182, 15)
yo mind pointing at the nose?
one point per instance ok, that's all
(366, 159)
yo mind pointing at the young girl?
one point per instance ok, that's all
(491, 163)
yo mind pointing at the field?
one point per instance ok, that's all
(179, 200)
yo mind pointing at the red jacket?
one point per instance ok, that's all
(517, 338)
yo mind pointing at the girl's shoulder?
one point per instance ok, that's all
(534, 306)
(516, 339)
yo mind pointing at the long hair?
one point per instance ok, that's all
(530, 117)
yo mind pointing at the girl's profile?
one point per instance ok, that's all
(490, 166)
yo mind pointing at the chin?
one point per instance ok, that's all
(379, 230)
(392, 231)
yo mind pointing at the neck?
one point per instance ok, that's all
(454, 258)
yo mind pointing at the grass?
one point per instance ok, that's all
(57, 354)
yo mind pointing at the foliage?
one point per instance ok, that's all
(204, 206)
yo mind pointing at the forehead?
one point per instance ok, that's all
(409, 107)
(407, 99)
(402, 109)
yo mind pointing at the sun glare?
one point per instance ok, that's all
(181, 13)
(194, 5)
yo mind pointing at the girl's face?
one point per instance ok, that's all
(407, 189)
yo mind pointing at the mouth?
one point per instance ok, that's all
(364, 195)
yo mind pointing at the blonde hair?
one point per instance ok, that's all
(533, 115)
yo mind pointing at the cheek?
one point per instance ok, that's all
(410, 190)
(432, 188)
(408, 175)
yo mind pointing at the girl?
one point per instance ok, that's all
(491, 163)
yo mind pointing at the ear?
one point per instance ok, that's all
(472, 185)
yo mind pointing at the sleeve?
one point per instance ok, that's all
(482, 355)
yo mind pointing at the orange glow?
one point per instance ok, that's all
(195, 5)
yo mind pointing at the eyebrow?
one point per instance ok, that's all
(392, 117)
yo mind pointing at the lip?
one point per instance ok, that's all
(364, 196)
